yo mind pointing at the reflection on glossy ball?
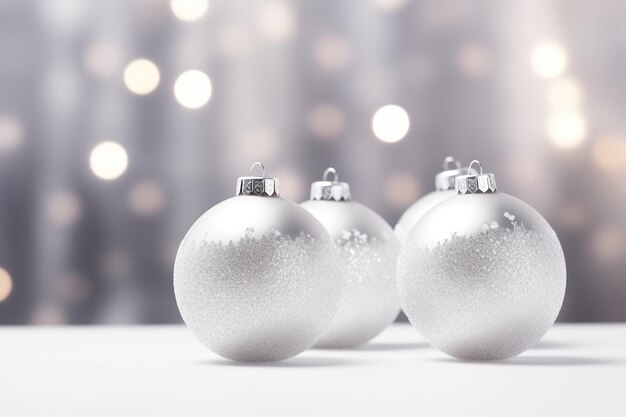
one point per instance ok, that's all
(254, 279)
(417, 210)
(482, 277)
(368, 251)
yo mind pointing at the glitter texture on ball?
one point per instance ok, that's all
(482, 276)
(368, 253)
(254, 280)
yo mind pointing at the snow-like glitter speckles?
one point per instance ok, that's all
(485, 296)
(259, 299)
(370, 299)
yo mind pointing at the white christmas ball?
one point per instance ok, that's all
(482, 276)
(369, 251)
(415, 212)
(254, 279)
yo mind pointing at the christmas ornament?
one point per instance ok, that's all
(444, 189)
(254, 277)
(482, 275)
(368, 251)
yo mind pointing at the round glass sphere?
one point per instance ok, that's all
(412, 215)
(254, 279)
(368, 253)
(482, 276)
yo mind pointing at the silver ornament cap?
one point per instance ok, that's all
(330, 190)
(445, 180)
(476, 183)
(261, 186)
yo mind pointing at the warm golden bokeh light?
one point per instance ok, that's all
(566, 129)
(608, 244)
(63, 208)
(189, 10)
(6, 284)
(401, 190)
(193, 89)
(72, 288)
(390, 123)
(332, 54)
(548, 59)
(326, 121)
(146, 199)
(474, 60)
(108, 160)
(11, 133)
(573, 216)
(390, 5)
(609, 153)
(48, 315)
(141, 76)
(276, 21)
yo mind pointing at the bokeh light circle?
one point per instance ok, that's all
(548, 59)
(189, 10)
(326, 121)
(566, 129)
(390, 123)
(146, 199)
(141, 76)
(64, 208)
(276, 21)
(608, 244)
(609, 153)
(193, 89)
(11, 133)
(332, 53)
(390, 5)
(6, 284)
(474, 60)
(401, 189)
(108, 160)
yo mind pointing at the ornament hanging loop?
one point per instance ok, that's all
(257, 185)
(475, 182)
(452, 168)
(331, 170)
(448, 161)
(477, 162)
(259, 164)
(328, 189)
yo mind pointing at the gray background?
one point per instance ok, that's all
(83, 250)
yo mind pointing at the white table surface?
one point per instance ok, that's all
(576, 370)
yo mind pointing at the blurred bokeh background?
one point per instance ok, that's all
(122, 121)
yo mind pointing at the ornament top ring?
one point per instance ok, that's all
(331, 170)
(448, 161)
(330, 190)
(445, 180)
(475, 183)
(259, 164)
(260, 186)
